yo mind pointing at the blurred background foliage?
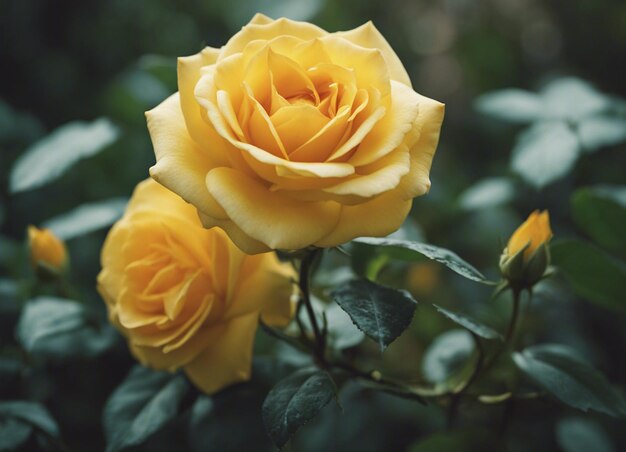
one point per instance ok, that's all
(104, 62)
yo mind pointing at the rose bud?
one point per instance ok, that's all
(526, 257)
(47, 252)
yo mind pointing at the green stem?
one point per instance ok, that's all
(510, 332)
(304, 283)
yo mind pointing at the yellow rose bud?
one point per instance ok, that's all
(47, 251)
(290, 136)
(187, 297)
(526, 256)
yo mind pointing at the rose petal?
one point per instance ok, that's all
(391, 130)
(376, 178)
(360, 133)
(324, 141)
(266, 284)
(189, 72)
(181, 166)
(369, 65)
(296, 124)
(261, 19)
(280, 27)
(367, 35)
(243, 241)
(379, 217)
(228, 359)
(428, 124)
(271, 218)
(289, 78)
(155, 358)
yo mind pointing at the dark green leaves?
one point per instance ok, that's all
(415, 251)
(545, 152)
(380, 312)
(567, 118)
(447, 356)
(576, 434)
(144, 402)
(487, 193)
(50, 157)
(87, 218)
(591, 273)
(469, 324)
(513, 105)
(59, 328)
(565, 375)
(601, 213)
(18, 419)
(294, 401)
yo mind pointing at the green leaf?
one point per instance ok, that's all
(576, 434)
(60, 328)
(51, 156)
(599, 213)
(87, 218)
(416, 251)
(592, 273)
(545, 152)
(488, 193)
(380, 312)
(471, 325)
(45, 317)
(140, 406)
(231, 420)
(513, 105)
(572, 99)
(561, 372)
(13, 433)
(31, 413)
(600, 131)
(447, 356)
(294, 401)
(342, 332)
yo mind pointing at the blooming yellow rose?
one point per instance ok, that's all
(46, 249)
(526, 257)
(185, 296)
(290, 136)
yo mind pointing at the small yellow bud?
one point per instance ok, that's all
(47, 251)
(526, 257)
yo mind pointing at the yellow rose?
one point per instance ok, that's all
(533, 233)
(290, 136)
(526, 256)
(185, 296)
(46, 250)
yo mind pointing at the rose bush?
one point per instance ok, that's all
(290, 136)
(185, 296)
